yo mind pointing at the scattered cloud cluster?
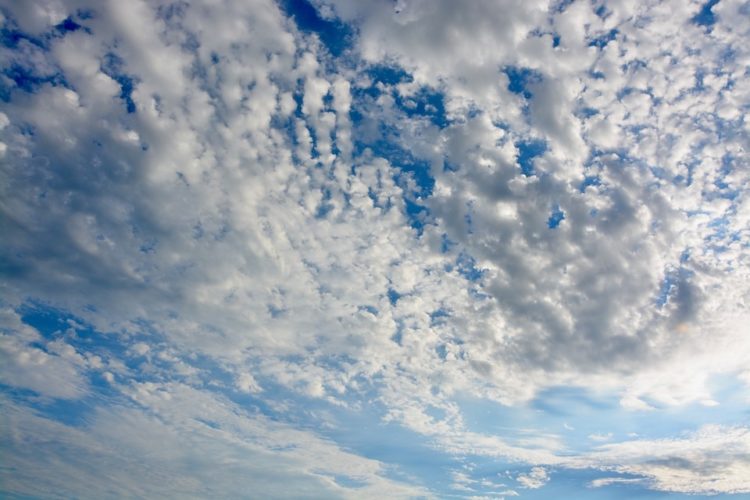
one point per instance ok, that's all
(249, 212)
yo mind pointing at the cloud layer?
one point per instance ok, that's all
(246, 211)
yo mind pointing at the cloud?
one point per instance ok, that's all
(246, 383)
(580, 298)
(536, 478)
(600, 437)
(179, 441)
(709, 461)
(49, 368)
(607, 481)
(236, 207)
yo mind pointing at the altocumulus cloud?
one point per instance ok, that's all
(374, 249)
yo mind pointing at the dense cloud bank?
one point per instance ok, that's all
(246, 209)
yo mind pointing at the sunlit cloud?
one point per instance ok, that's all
(328, 248)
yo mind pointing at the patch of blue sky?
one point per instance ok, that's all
(685, 180)
(700, 75)
(388, 74)
(410, 455)
(477, 293)
(275, 402)
(386, 145)
(383, 204)
(666, 421)
(446, 244)
(466, 266)
(720, 226)
(719, 240)
(573, 414)
(450, 167)
(727, 166)
(21, 72)
(726, 129)
(12, 37)
(325, 205)
(290, 128)
(469, 217)
(590, 180)
(412, 174)
(706, 16)
(113, 66)
(633, 65)
(349, 482)
(439, 316)
(68, 25)
(72, 412)
(622, 155)
(398, 335)
(559, 6)
(393, 296)
(521, 80)
(527, 152)
(685, 256)
(601, 11)
(428, 103)
(602, 40)
(369, 308)
(53, 325)
(417, 214)
(541, 33)
(335, 35)
(442, 349)
(667, 285)
(587, 112)
(555, 218)
(24, 76)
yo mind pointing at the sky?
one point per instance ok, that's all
(375, 249)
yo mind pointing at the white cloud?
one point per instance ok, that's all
(219, 222)
(182, 442)
(536, 478)
(247, 383)
(54, 370)
(600, 437)
(711, 460)
(140, 348)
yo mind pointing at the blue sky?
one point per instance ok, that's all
(354, 249)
